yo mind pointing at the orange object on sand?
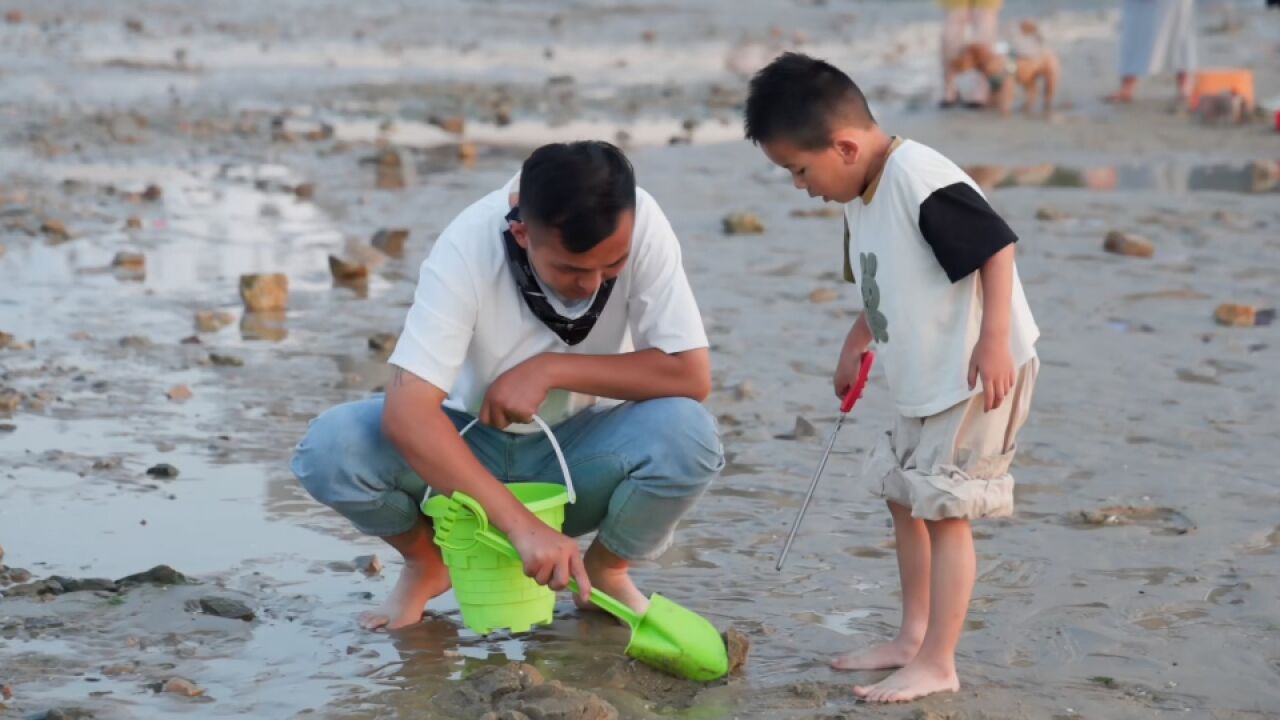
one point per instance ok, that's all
(1212, 82)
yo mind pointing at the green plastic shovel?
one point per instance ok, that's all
(668, 636)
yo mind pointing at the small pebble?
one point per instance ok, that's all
(391, 241)
(823, 295)
(1123, 243)
(129, 261)
(208, 321)
(369, 564)
(345, 270)
(742, 223)
(1233, 315)
(183, 687)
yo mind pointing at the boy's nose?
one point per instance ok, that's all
(797, 181)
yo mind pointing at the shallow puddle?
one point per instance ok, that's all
(1259, 176)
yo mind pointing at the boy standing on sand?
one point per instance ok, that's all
(944, 306)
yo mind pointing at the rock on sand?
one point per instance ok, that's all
(742, 223)
(390, 241)
(267, 291)
(1123, 243)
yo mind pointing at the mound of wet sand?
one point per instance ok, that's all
(519, 692)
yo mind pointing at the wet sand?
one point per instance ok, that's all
(1137, 579)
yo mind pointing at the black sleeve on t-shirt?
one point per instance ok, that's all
(962, 229)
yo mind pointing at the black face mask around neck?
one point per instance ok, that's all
(571, 330)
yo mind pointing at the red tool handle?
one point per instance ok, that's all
(855, 392)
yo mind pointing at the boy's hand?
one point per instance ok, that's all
(847, 372)
(517, 394)
(550, 557)
(993, 362)
(855, 345)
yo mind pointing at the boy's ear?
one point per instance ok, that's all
(848, 149)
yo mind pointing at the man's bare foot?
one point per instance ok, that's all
(609, 575)
(916, 680)
(881, 657)
(1119, 98)
(418, 583)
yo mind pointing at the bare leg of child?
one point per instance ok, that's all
(913, 567)
(952, 41)
(985, 26)
(1052, 70)
(933, 669)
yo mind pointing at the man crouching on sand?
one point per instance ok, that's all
(561, 294)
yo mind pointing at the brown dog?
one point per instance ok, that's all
(1004, 72)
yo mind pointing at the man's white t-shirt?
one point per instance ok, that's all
(916, 239)
(469, 324)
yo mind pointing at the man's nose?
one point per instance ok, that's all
(591, 282)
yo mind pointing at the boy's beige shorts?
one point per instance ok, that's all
(954, 464)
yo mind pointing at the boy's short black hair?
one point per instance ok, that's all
(578, 189)
(802, 99)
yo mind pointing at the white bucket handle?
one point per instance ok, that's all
(555, 445)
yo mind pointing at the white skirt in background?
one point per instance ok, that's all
(1157, 36)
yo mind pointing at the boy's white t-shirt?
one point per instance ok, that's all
(469, 324)
(916, 239)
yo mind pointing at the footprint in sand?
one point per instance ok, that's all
(1263, 544)
(1161, 521)
(1229, 594)
(1015, 574)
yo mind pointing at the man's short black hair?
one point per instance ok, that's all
(578, 189)
(802, 100)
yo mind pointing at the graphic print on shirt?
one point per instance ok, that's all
(876, 320)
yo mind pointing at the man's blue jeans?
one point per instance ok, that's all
(637, 468)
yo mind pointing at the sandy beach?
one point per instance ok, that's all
(1139, 577)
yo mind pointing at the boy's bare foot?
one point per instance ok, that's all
(609, 574)
(916, 680)
(881, 657)
(418, 583)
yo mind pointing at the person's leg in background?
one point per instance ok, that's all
(954, 24)
(984, 27)
(346, 462)
(1184, 51)
(1138, 19)
(638, 468)
(984, 18)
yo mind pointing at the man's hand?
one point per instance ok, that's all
(993, 362)
(855, 346)
(518, 393)
(550, 558)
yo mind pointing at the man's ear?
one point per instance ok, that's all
(520, 232)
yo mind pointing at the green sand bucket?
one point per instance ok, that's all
(667, 636)
(494, 593)
(491, 587)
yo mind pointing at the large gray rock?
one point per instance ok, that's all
(158, 575)
(226, 608)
